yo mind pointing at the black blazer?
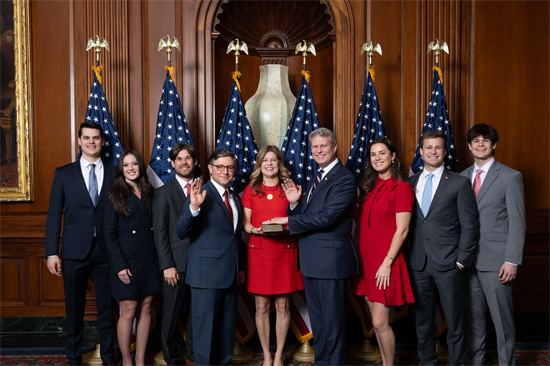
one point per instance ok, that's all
(450, 231)
(69, 193)
(168, 204)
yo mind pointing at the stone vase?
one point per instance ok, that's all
(270, 109)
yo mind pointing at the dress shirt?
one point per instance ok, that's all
(435, 183)
(326, 170)
(183, 183)
(221, 191)
(99, 172)
(485, 170)
(422, 183)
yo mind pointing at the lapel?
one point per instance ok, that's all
(175, 187)
(413, 182)
(80, 183)
(108, 176)
(443, 183)
(492, 174)
(218, 199)
(322, 183)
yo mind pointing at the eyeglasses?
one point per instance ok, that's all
(221, 168)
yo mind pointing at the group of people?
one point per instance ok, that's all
(462, 234)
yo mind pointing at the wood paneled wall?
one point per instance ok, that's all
(496, 73)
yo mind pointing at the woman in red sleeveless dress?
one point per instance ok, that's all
(272, 259)
(385, 209)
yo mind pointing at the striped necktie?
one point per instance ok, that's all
(316, 182)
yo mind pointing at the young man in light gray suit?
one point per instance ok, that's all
(443, 237)
(501, 206)
(168, 204)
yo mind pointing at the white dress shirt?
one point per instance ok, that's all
(422, 183)
(99, 172)
(485, 170)
(183, 183)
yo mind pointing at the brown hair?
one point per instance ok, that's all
(256, 177)
(119, 192)
(174, 152)
(370, 175)
(432, 135)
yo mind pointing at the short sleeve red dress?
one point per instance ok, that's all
(272, 260)
(377, 220)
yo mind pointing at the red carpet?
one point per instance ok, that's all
(524, 357)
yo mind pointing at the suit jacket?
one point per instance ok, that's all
(450, 231)
(168, 204)
(501, 205)
(69, 192)
(214, 249)
(325, 248)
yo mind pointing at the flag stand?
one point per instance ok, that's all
(366, 351)
(304, 353)
(241, 354)
(93, 358)
(158, 358)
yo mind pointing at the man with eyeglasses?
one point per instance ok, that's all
(211, 219)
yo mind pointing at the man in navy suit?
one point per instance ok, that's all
(325, 250)
(211, 219)
(79, 189)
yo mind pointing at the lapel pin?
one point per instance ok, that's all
(326, 178)
(446, 177)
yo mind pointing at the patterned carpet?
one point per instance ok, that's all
(523, 357)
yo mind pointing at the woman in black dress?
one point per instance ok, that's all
(135, 275)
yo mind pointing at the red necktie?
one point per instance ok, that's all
(477, 182)
(228, 206)
(187, 189)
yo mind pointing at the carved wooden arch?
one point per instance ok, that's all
(344, 72)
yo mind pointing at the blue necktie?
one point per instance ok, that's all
(316, 182)
(427, 195)
(92, 185)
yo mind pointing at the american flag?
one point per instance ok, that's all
(295, 148)
(172, 128)
(437, 119)
(236, 135)
(98, 112)
(368, 127)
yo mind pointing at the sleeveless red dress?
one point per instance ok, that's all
(272, 260)
(377, 220)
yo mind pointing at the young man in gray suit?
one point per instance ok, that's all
(501, 205)
(443, 237)
(168, 204)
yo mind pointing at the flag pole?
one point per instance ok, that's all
(94, 357)
(305, 47)
(370, 48)
(237, 46)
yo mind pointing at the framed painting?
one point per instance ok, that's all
(16, 160)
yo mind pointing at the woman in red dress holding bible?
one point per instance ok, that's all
(272, 259)
(385, 209)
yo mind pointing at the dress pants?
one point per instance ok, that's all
(174, 301)
(75, 283)
(483, 288)
(450, 286)
(326, 302)
(214, 323)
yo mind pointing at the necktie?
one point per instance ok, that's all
(92, 185)
(427, 195)
(316, 181)
(477, 182)
(187, 189)
(228, 206)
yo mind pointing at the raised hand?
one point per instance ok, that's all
(196, 197)
(292, 192)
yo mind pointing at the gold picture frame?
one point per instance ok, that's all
(16, 165)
